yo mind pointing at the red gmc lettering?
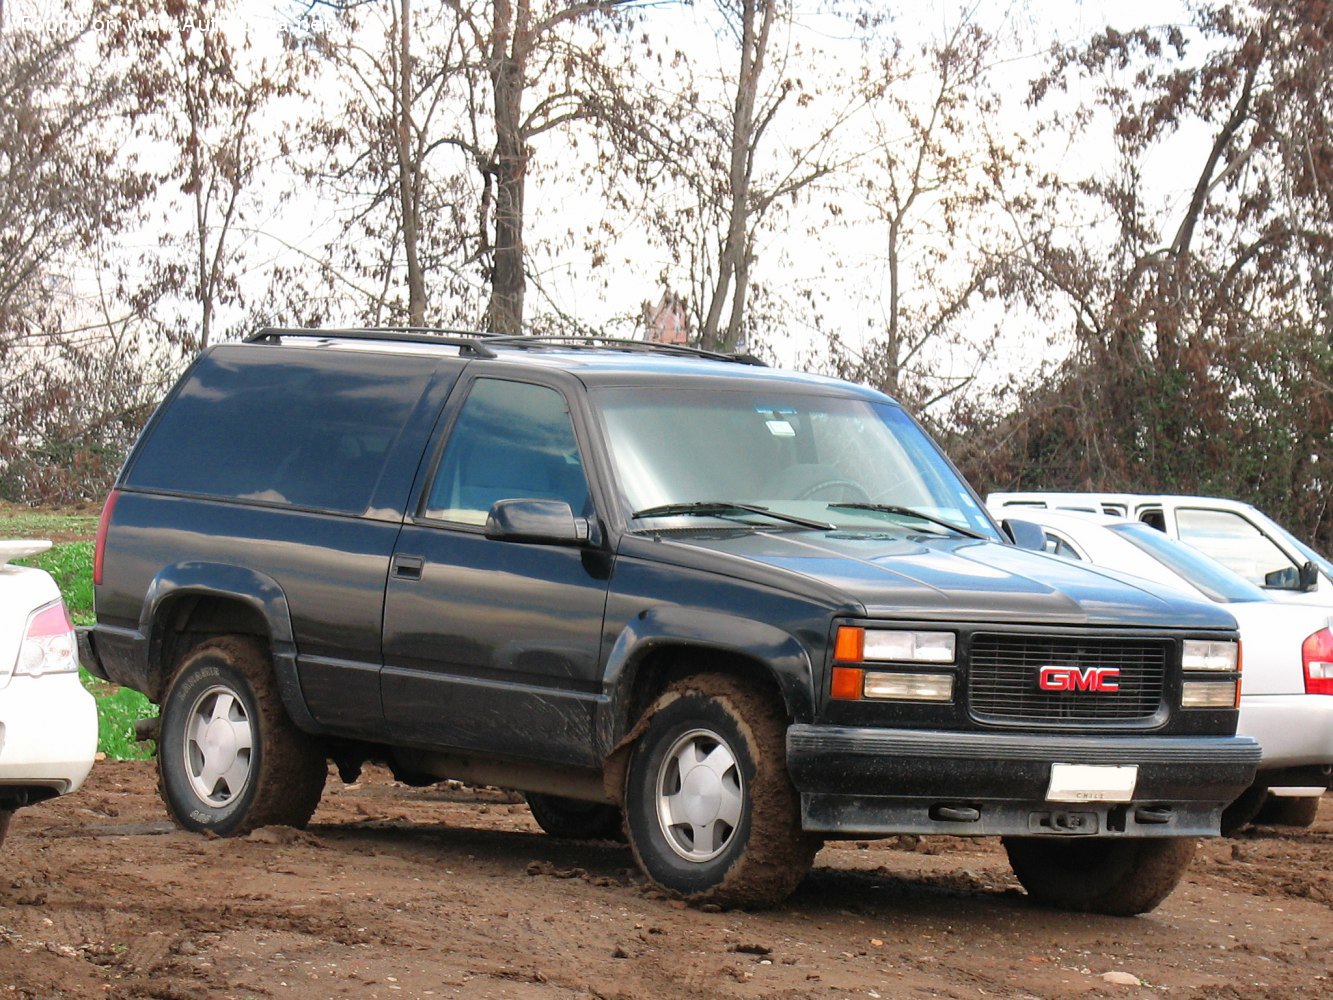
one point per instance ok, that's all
(1074, 679)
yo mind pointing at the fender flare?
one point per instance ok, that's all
(786, 660)
(256, 590)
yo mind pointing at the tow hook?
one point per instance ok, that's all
(1067, 823)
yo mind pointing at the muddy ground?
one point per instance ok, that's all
(450, 892)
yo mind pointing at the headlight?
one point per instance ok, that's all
(859, 645)
(1208, 694)
(1203, 655)
(909, 687)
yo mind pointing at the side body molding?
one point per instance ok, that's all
(785, 660)
(258, 591)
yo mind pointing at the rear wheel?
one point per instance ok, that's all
(1243, 810)
(709, 808)
(5, 816)
(229, 758)
(562, 817)
(1116, 877)
(1284, 811)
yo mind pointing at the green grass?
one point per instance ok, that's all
(23, 522)
(71, 565)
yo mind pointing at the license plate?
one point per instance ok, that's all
(1092, 783)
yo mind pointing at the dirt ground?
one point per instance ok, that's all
(450, 892)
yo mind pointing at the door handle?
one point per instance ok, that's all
(408, 567)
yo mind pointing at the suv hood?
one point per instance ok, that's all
(894, 576)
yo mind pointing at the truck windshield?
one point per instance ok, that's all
(799, 454)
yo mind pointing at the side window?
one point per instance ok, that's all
(282, 425)
(512, 440)
(1153, 518)
(1238, 545)
(1057, 546)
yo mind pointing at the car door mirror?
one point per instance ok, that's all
(1309, 578)
(543, 522)
(1024, 534)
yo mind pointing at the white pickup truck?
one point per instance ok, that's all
(48, 722)
(1238, 535)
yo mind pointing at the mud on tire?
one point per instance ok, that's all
(1117, 877)
(710, 811)
(229, 759)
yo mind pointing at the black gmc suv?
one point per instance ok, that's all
(738, 610)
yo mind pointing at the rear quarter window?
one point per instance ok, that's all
(281, 425)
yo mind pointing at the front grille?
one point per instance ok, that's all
(1002, 682)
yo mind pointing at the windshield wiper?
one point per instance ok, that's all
(889, 508)
(722, 507)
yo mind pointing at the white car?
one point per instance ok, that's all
(1238, 535)
(1286, 649)
(48, 722)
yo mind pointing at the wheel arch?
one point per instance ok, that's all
(666, 645)
(190, 602)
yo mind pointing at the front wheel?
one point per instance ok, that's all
(709, 808)
(1117, 877)
(229, 759)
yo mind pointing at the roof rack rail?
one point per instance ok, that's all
(471, 341)
(575, 340)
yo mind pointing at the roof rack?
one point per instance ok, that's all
(592, 341)
(471, 341)
(479, 344)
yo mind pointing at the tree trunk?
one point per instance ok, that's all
(732, 265)
(504, 314)
(407, 171)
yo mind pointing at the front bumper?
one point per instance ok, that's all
(875, 782)
(48, 737)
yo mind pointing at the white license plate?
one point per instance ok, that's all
(1092, 783)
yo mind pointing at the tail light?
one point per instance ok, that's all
(1317, 654)
(102, 525)
(48, 645)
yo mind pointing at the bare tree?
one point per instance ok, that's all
(1194, 367)
(725, 148)
(930, 185)
(70, 389)
(392, 153)
(205, 90)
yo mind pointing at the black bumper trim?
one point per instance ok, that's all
(807, 740)
(88, 653)
(874, 782)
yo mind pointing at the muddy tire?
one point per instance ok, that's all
(710, 811)
(229, 759)
(1243, 810)
(1283, 811)
(5, 816)
(1117, 877)
(562, 817)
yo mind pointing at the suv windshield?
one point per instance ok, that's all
(798, 454)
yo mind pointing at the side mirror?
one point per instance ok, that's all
(1309, 578)
(543, 522)
(1024, 534)
(1301, 579)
